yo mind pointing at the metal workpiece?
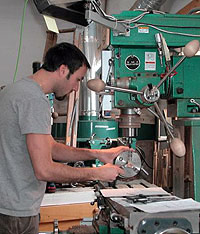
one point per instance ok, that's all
(130, 162)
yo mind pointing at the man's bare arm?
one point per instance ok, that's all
(40, 148)
(60, 152)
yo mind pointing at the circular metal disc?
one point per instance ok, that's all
(130, 162)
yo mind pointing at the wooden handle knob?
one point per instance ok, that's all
(178, 147)
(54, 115)
(96, 85)
(191, 48)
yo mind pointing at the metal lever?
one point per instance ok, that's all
(123, 90)
(98, 85)
(176, 145)
(163, 119)
(144, 171)
(194, 102)
(156, 115)
(170, 71)
(189, 51)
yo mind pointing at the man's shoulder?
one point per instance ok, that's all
(27, 87)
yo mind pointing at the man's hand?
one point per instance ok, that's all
(108, 172)
(108, 155)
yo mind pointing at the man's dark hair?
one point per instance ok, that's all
(64, 54)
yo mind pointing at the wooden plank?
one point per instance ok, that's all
(155, 161)
(70, 30)
(193, 4)
(73, 105)
(66, 212)
(77, 42)
(178, 168)
(76, 118)
(69, 118)
(140, 183)
(67, 215)
(120, 186)
(137, 186)
(189, 169)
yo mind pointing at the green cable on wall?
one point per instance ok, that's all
(20, 41)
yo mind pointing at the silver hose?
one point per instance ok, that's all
(148, 4)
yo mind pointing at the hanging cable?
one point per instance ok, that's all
(143, 157)
(127, 22)
(100, 11)
(20, 40)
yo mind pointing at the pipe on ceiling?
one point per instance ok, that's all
(148, 4)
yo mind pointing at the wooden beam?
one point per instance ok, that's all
(73, 105)
(193, 4)
(50, 41)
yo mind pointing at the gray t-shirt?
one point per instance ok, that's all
(24, 109)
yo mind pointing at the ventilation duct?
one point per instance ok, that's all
(69, 10)
(89, 104)
(148, 4)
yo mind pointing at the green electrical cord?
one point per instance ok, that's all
(20, 41)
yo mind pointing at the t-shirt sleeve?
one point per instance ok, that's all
(34, 116)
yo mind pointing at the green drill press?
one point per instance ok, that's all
(153, 58)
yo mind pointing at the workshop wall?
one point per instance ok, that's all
(33, 39)
(34, 34)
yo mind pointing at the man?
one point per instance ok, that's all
(28, 154)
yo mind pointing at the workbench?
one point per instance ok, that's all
(68, 206)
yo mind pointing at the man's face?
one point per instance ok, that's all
(66, 86)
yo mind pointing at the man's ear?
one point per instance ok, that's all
(63, 70)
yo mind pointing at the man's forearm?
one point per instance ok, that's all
(42, 147)
(61, 173)
(64, 153)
